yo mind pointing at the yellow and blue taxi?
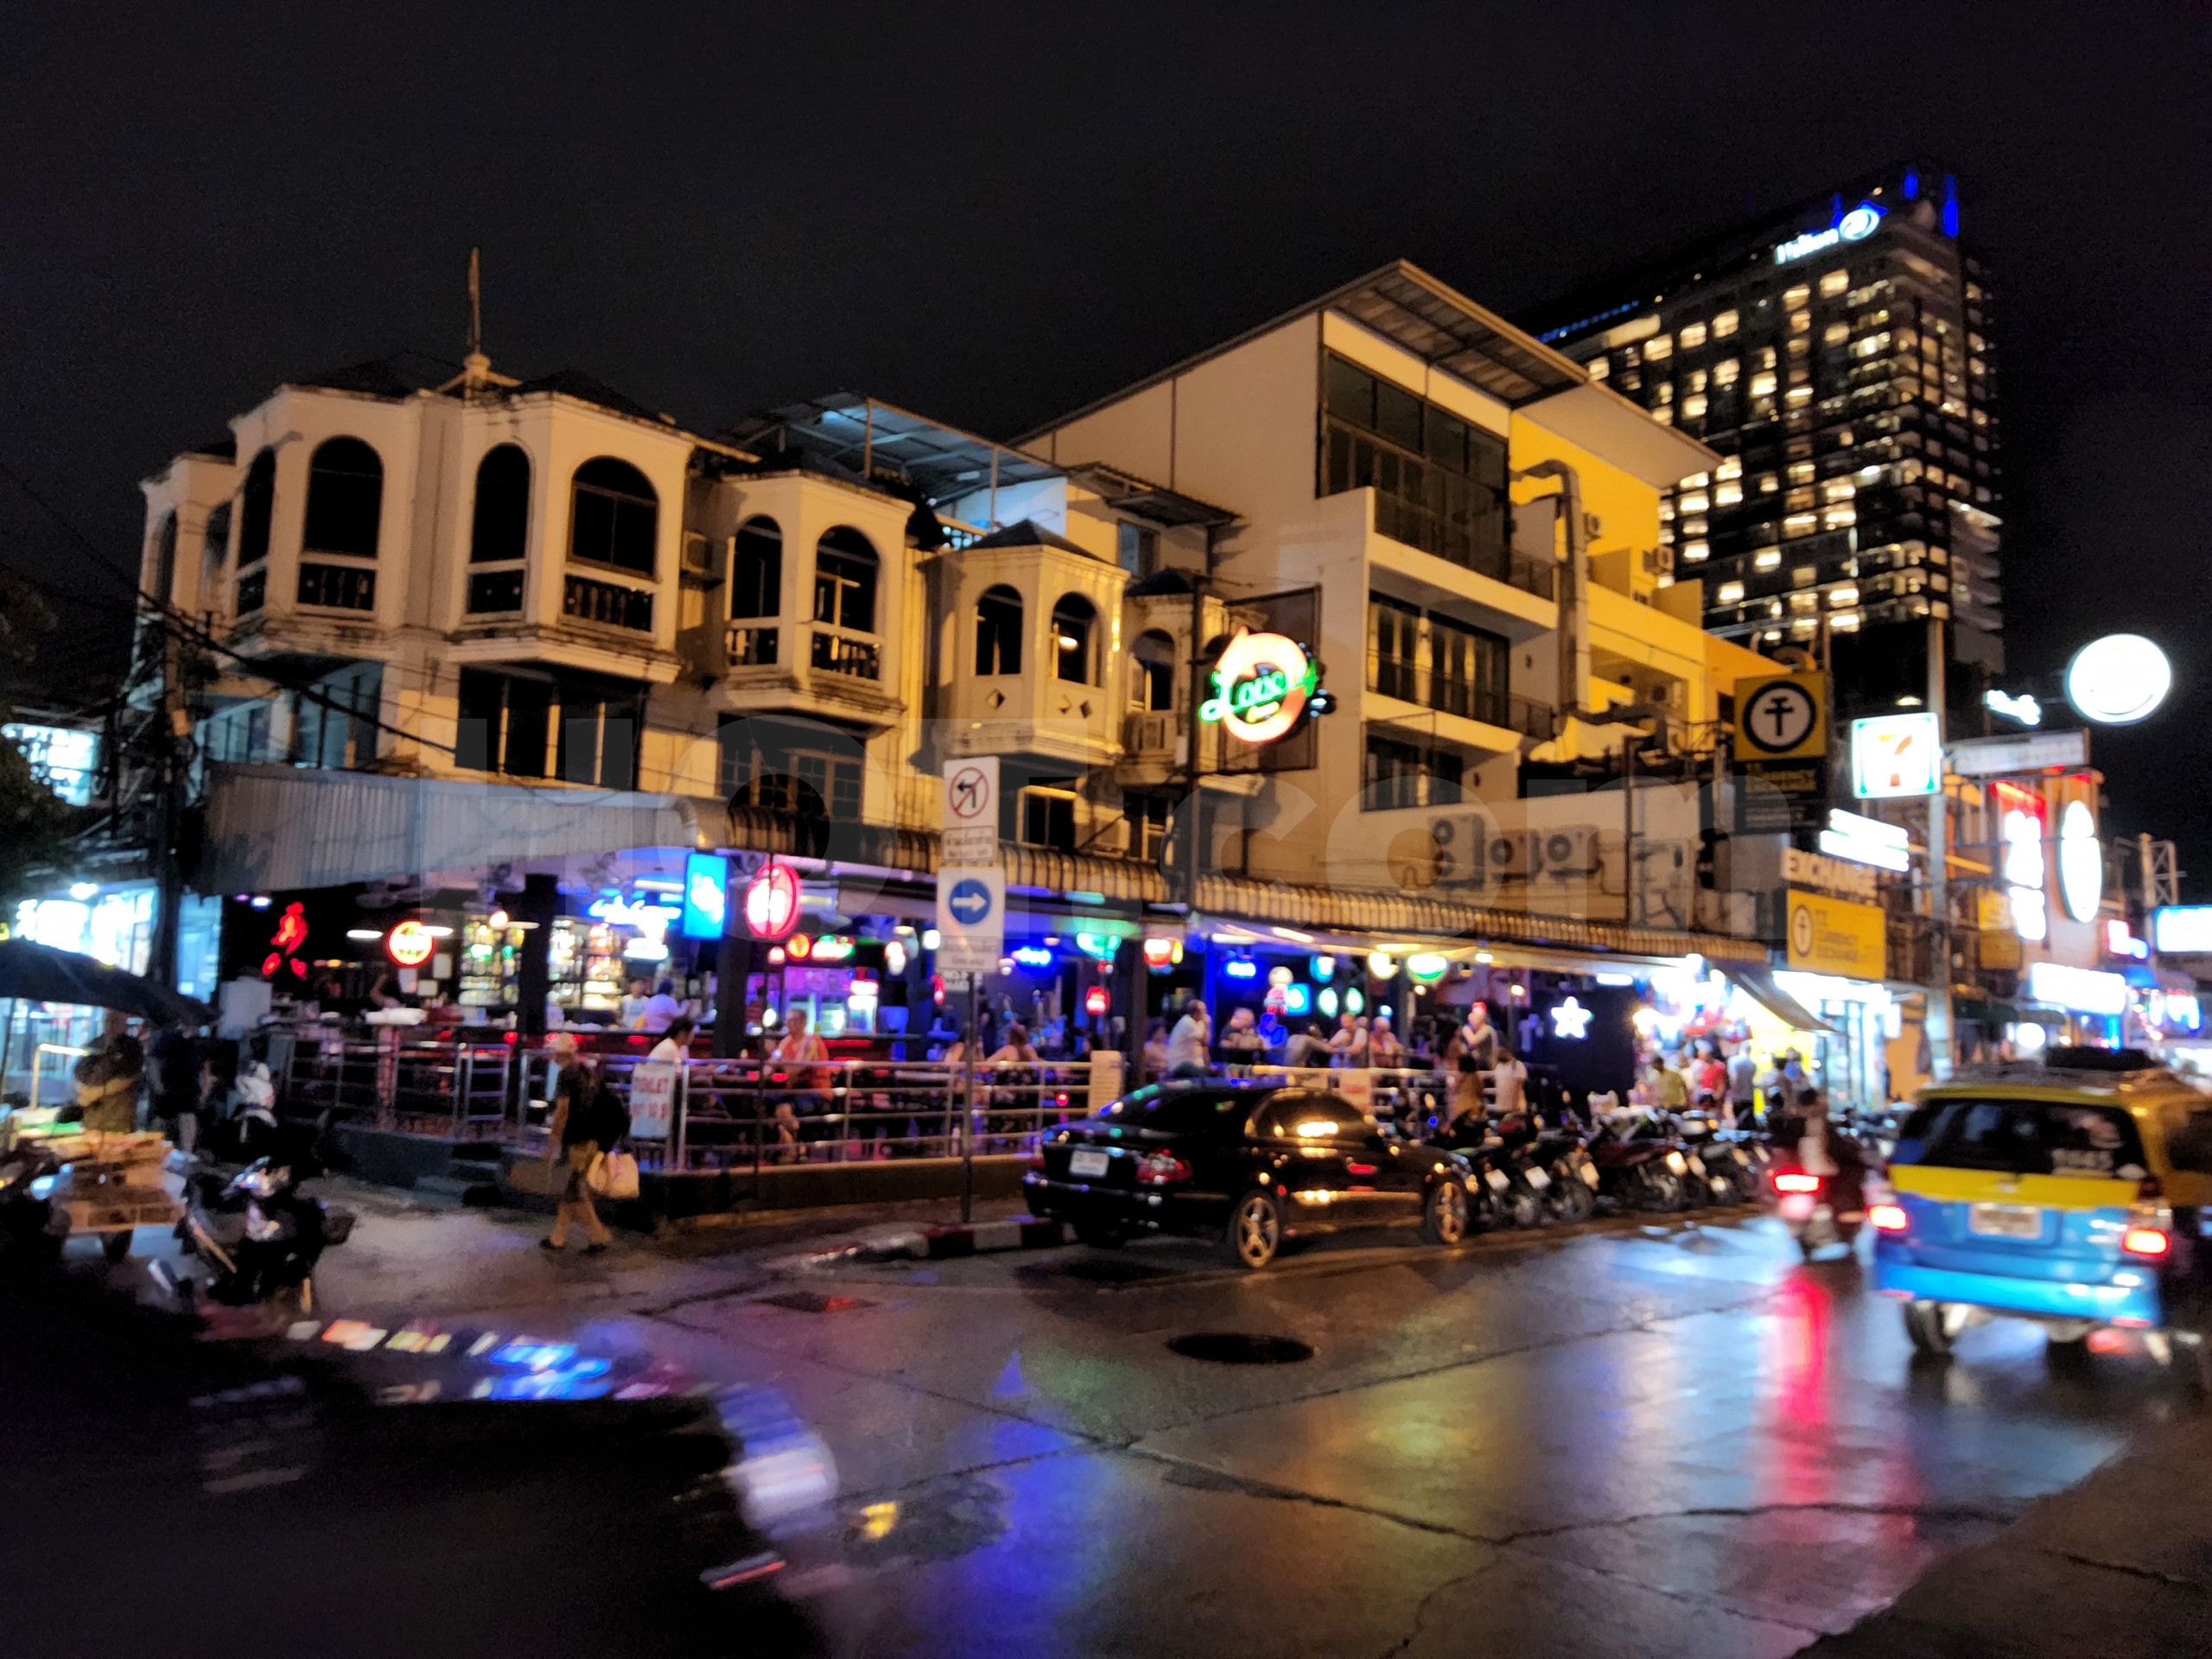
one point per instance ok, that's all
(2076, 1193)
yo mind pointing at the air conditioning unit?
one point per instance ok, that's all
(1593, 526)
(698, 559)
(1659, 561)
(1471, 852)
(1507, 854)
(1566, 852)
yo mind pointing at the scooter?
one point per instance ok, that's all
(1556, 1163)
(1732, 1166)
(1639, 1165)
(260, 1234)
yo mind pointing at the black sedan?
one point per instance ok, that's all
(1241, 1162)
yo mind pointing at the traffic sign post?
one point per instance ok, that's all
(970, 919)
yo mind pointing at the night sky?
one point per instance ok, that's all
(992, 215)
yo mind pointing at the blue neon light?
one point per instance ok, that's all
(1031, 955)
(1241, 967)
(706, 895)
(1297, 999)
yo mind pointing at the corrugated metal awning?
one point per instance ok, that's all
(1759, 984)
(288, 826)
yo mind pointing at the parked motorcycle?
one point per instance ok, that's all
(1639, 1165)
(260, 1234)
(1556, 1163)
(1734, 1163)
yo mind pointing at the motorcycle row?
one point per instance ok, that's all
(1642, 1160)
(258, 1234)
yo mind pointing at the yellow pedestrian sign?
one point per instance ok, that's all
(1783, 717)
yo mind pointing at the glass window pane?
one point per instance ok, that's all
(1398, 414)
(1348, 390)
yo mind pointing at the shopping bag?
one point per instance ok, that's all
(613, 1175)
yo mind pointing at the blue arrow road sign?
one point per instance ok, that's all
(969, 902)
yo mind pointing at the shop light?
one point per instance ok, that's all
(1355, 1000)
(798, 947)
(1095, 1000)
(1100, 947)
(1081, 897)
(1297, 999)
(1382, 965)
(1279, 976)
(497, 921)
(1031, 955)
(81, 890)
(1484, 957)
(1241, 967)
(259, 901)
(1571, 1021)
(930, 938)
(1161, 954)
(1427, 967)
(363, 934)
(835, 947)
(894, 956)
(1326, 998)
(645, 951)
(1323, 969)
(1292, 934)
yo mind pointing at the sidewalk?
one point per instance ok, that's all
(2117, 1567)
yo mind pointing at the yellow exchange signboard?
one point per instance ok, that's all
(1836, 936)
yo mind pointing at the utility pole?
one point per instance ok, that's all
(171, 723)
(1939, 1027)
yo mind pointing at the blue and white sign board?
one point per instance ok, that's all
(970, 920)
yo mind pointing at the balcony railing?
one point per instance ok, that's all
(849, 654)
(751, 645)
(607, 603)
(339, 587)
(494, 591)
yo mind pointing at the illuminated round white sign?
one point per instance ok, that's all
(2119, 679)
(1860, 222)
(2080, 861)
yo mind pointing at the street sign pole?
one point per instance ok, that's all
(967, 1102)
(1939, 1028)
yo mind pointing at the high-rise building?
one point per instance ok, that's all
(1839, 357)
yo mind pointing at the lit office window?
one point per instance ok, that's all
(1692, 336)
(1834, 282)
(1730, 593)
(1599, 368)
(1846, 594)
(1693, 406)
(1795, 295)
(1763, 384)
(1696, 552)
(1725, 370)
(1836, 333)
(1799, 524)
(1767, 559)
(1724, 325)
(1844, 621)
(1731, 467)
(1658, 348)
(1727, 495)
(1696, 501)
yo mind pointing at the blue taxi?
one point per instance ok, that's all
(2076, 1193)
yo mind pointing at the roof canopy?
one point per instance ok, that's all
(872, 439)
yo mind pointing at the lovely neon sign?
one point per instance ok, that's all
(1263, 685)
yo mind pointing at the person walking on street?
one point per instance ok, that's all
(1189, 1046)
(1742, 1087)
(176, 1069)
(109, 1077)
(580, 1116)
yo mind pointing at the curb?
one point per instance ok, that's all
(942, 1243)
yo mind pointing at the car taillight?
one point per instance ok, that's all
(1888, 1217)
(2151, 1243)
(1796, 1180)
(1162, 1169)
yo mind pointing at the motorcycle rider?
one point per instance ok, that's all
(1824, 1149)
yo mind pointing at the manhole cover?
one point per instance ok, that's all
(815, 1301)
(1240, 1348)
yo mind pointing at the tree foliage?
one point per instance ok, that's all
(32, 818)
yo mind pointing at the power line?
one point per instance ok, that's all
(186, 629)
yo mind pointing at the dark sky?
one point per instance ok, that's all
(993, 214)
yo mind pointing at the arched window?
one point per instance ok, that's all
(616, 517)
(259, 505)
(1152, 672)
(165, 560)
(500, 530)
(756, 575)
(1076, 652)
(844, 580)
(998, 632)
(217, 547)
(345, 499)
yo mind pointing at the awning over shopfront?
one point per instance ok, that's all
(284, 827)
(1393, 915)
(1758, 982)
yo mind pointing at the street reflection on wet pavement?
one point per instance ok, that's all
(1660, 1438)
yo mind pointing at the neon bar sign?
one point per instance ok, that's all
(1263, 684)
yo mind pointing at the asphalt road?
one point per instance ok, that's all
(1630, 1439)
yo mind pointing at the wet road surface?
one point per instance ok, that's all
(1628, 1439)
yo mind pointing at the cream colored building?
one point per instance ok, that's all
(773, 639)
